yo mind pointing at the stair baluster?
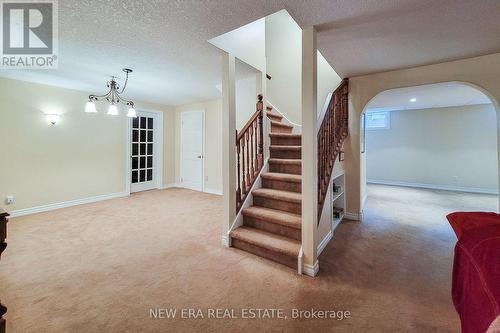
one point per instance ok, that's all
(260, 125)
(332, 132)
(249, 151)
(238, 169)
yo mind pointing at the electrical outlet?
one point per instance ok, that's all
(9, 200)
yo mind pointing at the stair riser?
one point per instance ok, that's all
(282, 185)
(287, 154)
(266, 253)
(293, 169)
(280, 129)
(274, 228)
(285, 206)
(274, 117)
(286, 141)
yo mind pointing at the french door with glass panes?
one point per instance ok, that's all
(143, 151)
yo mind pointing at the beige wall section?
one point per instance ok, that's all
(309, 151)
(83, 156)
(284, 64)
(246, 99)
(454, 146)
(482, 72)
(169, 144)
(328, 81)
(213, 142)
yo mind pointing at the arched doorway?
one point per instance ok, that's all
(443, 137)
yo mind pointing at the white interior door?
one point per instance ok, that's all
(144, 151)
(192, 137)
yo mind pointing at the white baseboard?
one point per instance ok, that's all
(354, 216)
(434, 186)
(310, 270)
(226, 240)
(324, 242)
(171, 185)
(49, 207)
(212, 191)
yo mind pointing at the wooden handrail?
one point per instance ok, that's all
(3, 245)
(249, 153)
(247, 125)
(331, 135)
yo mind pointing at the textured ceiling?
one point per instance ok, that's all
(427, 96)
(361, 36)
(165, 42)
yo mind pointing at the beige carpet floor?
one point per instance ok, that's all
(101, 267)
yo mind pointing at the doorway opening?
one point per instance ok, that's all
(432, 146)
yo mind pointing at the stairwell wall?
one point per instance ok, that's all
(284, 64)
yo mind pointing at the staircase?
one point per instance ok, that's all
(272, 226)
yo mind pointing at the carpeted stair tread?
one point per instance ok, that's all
(274, 216)
(294, 148)
(278, 195)
(285, 135)
(267, 240)
(286, 177)
(274, 115)
(277, 123)
(285, 161)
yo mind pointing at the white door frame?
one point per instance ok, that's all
(203, 149)
(158, 146)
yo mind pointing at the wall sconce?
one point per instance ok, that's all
(53, 118)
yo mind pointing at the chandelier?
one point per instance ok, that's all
(113, 97)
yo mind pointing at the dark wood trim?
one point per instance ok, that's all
(249, 153)
(3, 245)
(332, 132)
(245, 128)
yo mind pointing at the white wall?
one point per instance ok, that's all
(328, 80)
(454, 146)
(246, 99)
(83, 156)
(246, 43)
(213, 145)
(284, 64)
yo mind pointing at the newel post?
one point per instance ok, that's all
(260, 153)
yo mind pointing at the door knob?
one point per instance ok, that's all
(199, 156)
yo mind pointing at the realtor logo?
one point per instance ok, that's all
(29, 34)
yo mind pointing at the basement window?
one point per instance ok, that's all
(378, 120)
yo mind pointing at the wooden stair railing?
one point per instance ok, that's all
(331, 134)
(249, 153)
(3, 245)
